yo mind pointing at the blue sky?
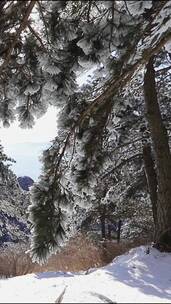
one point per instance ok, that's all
(26, 145)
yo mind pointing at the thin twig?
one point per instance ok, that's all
(44, 21)
(23, 25)
(112, 24)
(88, 11)
(124, 161)
(37, 36)
(61, 296)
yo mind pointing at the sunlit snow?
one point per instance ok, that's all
(136, 277)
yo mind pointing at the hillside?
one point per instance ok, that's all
(25, 182)
(14, 226)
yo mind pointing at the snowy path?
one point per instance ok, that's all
(133, 278)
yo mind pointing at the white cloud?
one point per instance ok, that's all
(26, 145)
(43, 131)
(26, 156)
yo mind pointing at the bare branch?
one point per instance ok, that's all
(37, 36)
(127, 144)
(44, 21)
(88, 11)
(163, 70)
(122, 163)
(23, 25)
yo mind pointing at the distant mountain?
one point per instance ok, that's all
(27, 157)
(25, 182)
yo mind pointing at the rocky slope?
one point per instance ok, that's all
(14, 226)
(25, 182)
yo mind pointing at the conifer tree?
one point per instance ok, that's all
(40, 66)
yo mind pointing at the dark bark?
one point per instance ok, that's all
(109, 235)
(103, 220)
(162, 157)
(151, 181)
(119, 231)
(2, 4)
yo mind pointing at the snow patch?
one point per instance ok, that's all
(136, 277)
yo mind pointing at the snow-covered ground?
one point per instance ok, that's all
(136, 277)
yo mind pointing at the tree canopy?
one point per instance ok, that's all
(97, 153)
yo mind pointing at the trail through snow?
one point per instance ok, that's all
(136, 277)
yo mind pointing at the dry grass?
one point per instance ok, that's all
(81, 253)
(15, 263)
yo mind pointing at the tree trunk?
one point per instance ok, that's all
(162, 157)
(151, 181)
(103, 220)
(119, 231)
(109, 235)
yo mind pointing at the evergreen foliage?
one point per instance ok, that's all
(96, 157)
